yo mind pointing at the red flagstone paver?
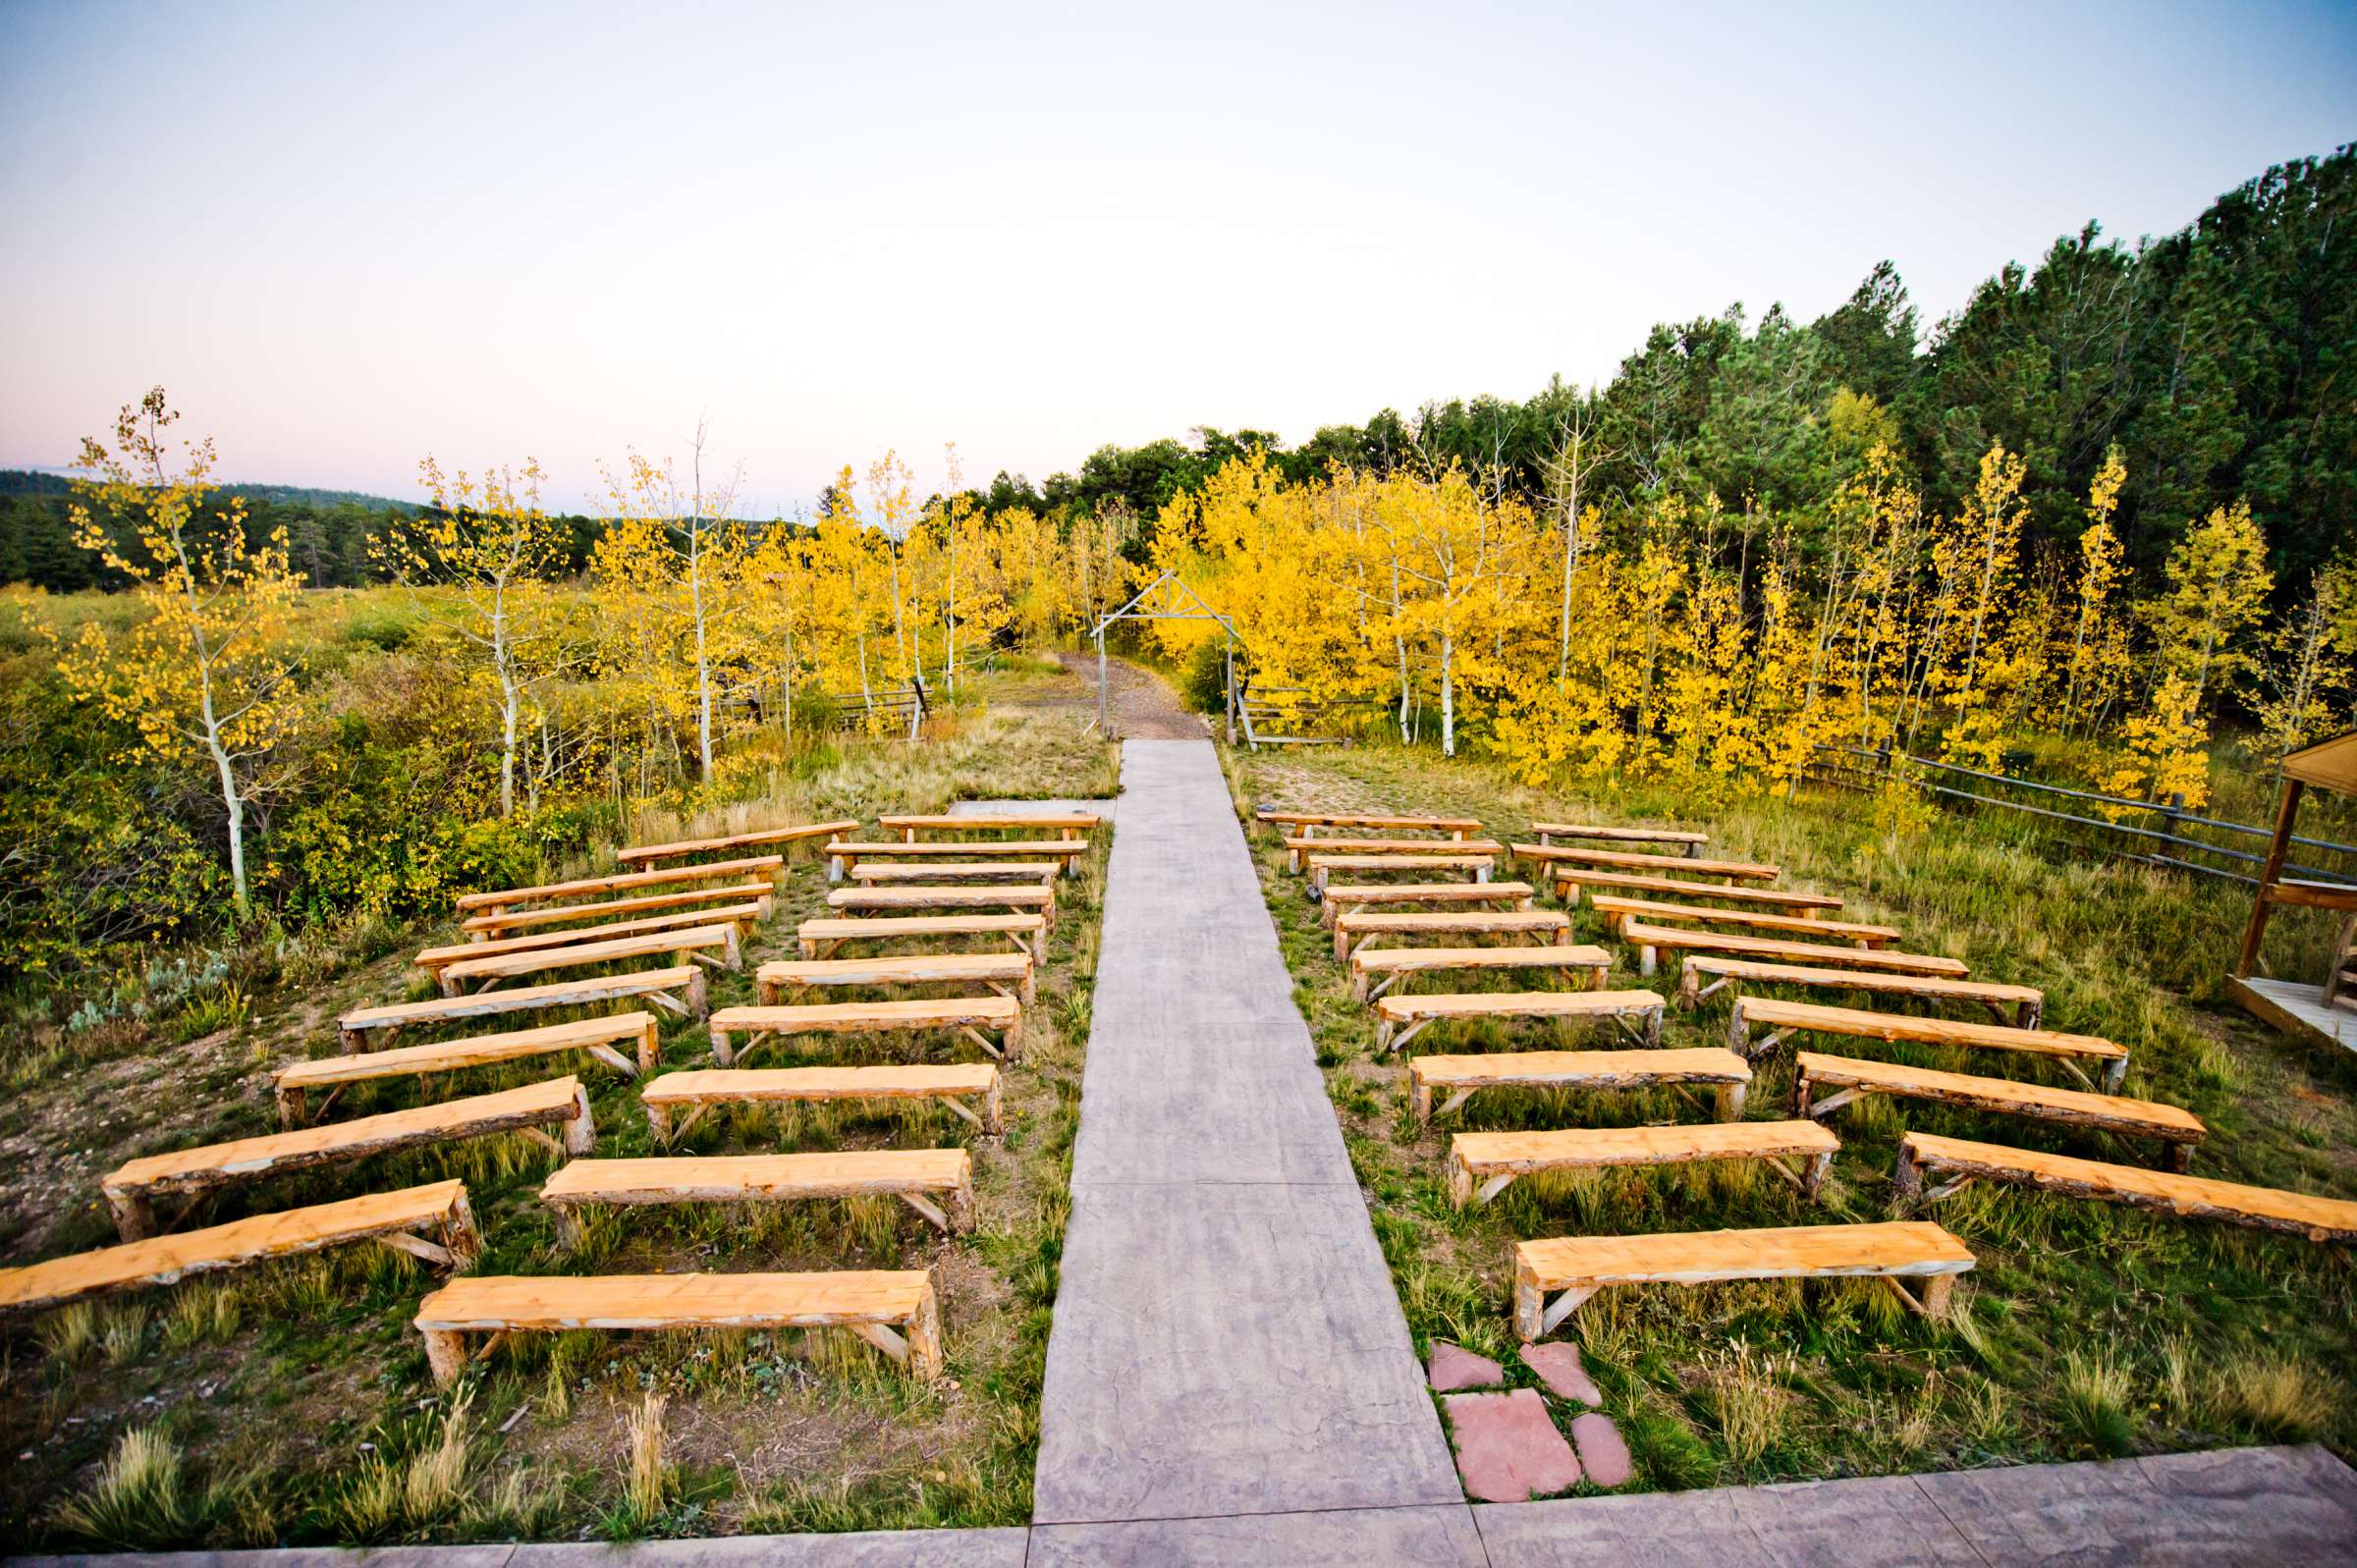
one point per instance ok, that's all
(1507, 1449)
(1602, 1455)
(1557, 1366)
(1454, 1366)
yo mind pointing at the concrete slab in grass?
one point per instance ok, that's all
(1441, 1536)
(882, 1548)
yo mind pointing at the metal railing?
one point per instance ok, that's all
(1856, 768)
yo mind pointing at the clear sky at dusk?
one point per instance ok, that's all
(346, 237)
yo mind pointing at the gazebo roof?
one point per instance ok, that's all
(2328, 764)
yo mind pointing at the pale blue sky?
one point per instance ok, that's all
(345, 236)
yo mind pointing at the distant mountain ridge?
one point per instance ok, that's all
(50, 482)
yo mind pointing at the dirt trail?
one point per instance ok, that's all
(1140, 703)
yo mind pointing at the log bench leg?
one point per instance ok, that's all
(2180, 1158)
(2115, 1075)
(1730, 1101)
(1812, 1178)
(445, 1354)
(134, 1213)
(925, 1337)
(1906, 1176)
(580, 1130)
(290, 1108)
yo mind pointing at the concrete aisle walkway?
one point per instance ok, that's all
(1227, 1338)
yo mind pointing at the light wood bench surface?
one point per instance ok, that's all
(1685, 865)
(1923, 1154)
(1394, 965)
(1006, 974)
(548, 892)
(596, 1036)
(1298, 848)
(696, 1091)
(2026, 1002)
(1309, 821)
(846, 854)
(1069, 824)
(871, 871)
(1019, 899)
(915, 1176)
(1336, 898)
(1323, 867)
(657, 985)
(879, 1305)
(1652, 941)
(482, 928)
(1481, 1164)
(1572, 880)
(647, 854)
(968, 1016)
(742, 916)
(1549, 831)
(1356, 927)
(1849, 1077)
(1812, 928)
(1580, 1266)
(1400, 1019)
(132, 1188)
(1028, 931)
(394, 1218)
(1781, 1018)
(1577, 1069)
(716, 946)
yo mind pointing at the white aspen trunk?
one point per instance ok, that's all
(703, 667)
(233, 806)
(1448, 696)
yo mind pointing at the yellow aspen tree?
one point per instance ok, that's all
(2098, 667)
(2301, 677)
(1452, 556)
(695, 521)
(210, 668)
(2217, 583)
(892, 512)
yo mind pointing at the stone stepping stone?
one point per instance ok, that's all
(1507, 1449)
(1454, 1366)
(1602, 1452)
(1557, 1366)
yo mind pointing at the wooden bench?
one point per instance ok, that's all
(132, 1187)
(1028, 931)
(1334, 901)
(1461, 1076)
(1008, 974)
(868, 872)
(716, 946)
(742, 916)
(1323, 867)
(1309, 822)
(596, 1036)
(1691, 842)
(2027, 1002)
(1782, 1018)
(968, 1016)
(483, 928)
(654, 985)
(1652, 941)
(912, 1175)
(1356, 928)
(1396, 963)
(643, 855)
(1732, 870)
(1065, 824)
(1481, 1164)
(2176, 1130)
(1569, 882)
(845, 855)
(1922, 1155)
(1296, 849)
(696, 1091)
(1580, 1266)
(503, 900)
(1616, 911)
(1018, 899)
(1400, 1019)
(402, 1221)
(880, 1306)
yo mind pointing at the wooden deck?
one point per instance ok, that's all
(2296, 1009)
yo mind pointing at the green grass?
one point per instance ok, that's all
(2072, 1338)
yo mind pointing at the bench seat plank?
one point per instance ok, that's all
(1579, 1266)
(1650, 941)
(1616, 910)
(687, 980)
(698, 1089)
(482, 928)
(715, 943)
(2027, 1002)
(1323, 867)
(1400, 1018)
(644, 854)
(1579, 830)
(970, 1015)
(597, 1036)
(131, 1187)
(843, 855)
(548, 892)
(1357, 927)
(1017, 898)
(867, 1301)
(2177, 1128)
(870, 873)
(1071, 824)
(1577, 1069)
(1494, 1159)
(1345, 818)
(1299, 847)
(438, 1208)
(1782, 1018)
(1685, 865)
(994, 971)
(1336, 897)
(742, 916)
(1028, 931)
(1570, 881)
(778, 1178)
(1396, 963)
(1922, 1154)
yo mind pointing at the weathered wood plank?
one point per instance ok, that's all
(1577, 830)
(509, 897)
(1736, 870)
(1780, 1018)
(647, 854)
(1358, 925)
(1616, 911)
(1577, 1069)
(1003, 1015)
(2027, 1002)
(1570, 881)
(742, 916)
(2177, 1128)
(682, 945)
(1400, 1018)
(770, 1179)
(990, 970)
(1396, 963)
(1028, 931)
(1652, 941)
(687, 980)
(695, 1089)
(1494, 1159)
(480, 928)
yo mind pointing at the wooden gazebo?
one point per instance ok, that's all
(2325, 1011)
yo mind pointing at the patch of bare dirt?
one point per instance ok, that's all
(1141, 705)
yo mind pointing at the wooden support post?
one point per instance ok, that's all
(2278, 847)
(444, 1354)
